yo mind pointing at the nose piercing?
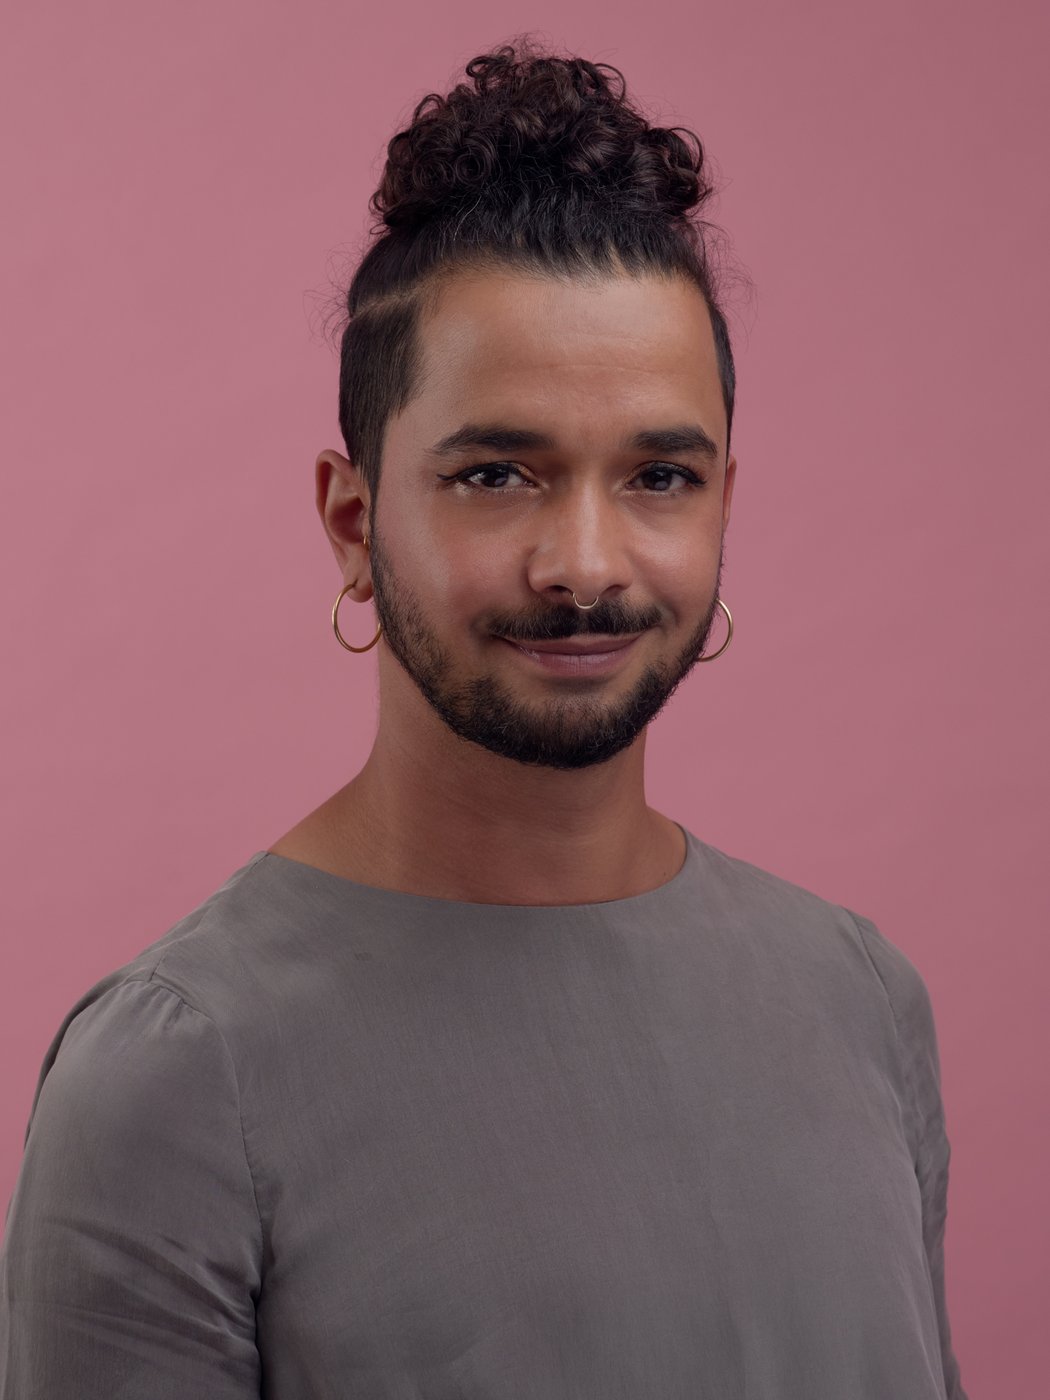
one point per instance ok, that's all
(585, 607)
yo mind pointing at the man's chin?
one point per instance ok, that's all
(566, 731)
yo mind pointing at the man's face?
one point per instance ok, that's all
(465, 571)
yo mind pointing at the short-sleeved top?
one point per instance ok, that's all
(326, 1141)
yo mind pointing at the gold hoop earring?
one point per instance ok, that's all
(335, 624)
(729, 634)
(335, 618)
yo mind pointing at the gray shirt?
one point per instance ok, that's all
(327, 1140)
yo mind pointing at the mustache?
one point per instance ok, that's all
(605, 620)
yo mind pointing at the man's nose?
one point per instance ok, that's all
(581, 546)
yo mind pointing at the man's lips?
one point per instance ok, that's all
(577, 658)
(578, 646)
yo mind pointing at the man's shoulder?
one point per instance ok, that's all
(216, 960)
(823, 958)
(733, 884)
(781, 912)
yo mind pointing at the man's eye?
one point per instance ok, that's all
(664, 472)
(492, 476)
(471, 475)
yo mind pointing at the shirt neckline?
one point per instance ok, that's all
(312, 874)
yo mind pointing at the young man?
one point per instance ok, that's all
(487, 1078)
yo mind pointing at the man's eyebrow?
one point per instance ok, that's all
(683, 437)
(498, 437)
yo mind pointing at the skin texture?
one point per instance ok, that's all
(491, 779)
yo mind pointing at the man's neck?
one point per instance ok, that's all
(432, 814)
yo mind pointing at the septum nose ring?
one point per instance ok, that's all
(585, 607)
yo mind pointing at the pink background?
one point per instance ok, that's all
(187, 182)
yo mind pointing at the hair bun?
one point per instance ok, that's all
(534, 127)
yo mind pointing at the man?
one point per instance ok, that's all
(487, 1078)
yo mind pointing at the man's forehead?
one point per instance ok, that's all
(498, 347)
(474, 303)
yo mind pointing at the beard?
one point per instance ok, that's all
(568, 730)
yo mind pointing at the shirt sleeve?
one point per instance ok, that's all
(924, 1117)
(132, 1256)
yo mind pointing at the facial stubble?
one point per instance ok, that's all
(568, 730)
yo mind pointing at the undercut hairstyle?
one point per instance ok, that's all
(538, 164)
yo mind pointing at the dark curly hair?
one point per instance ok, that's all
(540, 163)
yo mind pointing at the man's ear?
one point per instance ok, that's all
(342, 502)
(727, 490)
